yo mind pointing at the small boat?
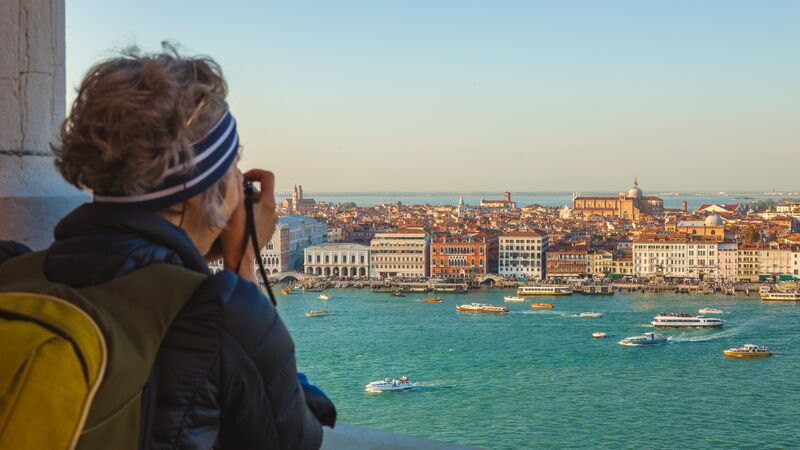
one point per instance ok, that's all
(591, 315)
(433, 299)
(747, 351)
(324, 297)
(541, 306)
(481, 308)
(285, 291)
(389, 384)
(317, 313)
(513, 298)
(650, 338)
(598, 335)
(398, 294)
(544, 290)
(709, 311)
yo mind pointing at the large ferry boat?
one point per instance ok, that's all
(544, 290)
(482, 307)
(747, 351)
(780, 296)
(685, 320)
(389, 384)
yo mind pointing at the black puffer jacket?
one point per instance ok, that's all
(225, 375)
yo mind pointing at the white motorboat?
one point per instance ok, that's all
(710, 311)
(389, 384)
(685, 320)
(650, 338)
(513, 298)
(544, 290)
(591, 315)
(324, 297)
(317, 313)
(598, 335)
(482, 308)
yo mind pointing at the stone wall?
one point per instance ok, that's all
(33, 197)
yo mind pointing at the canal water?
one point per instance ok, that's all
(536, 378)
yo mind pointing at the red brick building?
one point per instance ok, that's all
(463, 255)
(565, 262)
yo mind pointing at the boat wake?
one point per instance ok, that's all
(706, 337)
(427, 386)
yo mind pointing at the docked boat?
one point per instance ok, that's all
(513, 298)
(591, 315)
(747, 351)
(432, 299)
(650, 338)
(389, 384)
(541, 306)
(285, 291)
(324, 297)
(544, 290)
(780, 296)
(597, 289)
(482, 308)
(710, 311)
(598, 335)
(398, 294)
(685, 320)
(317, 313)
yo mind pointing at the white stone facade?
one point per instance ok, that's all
(676, 259)
(522, 254)
(401, 253)
(303, 232)
(345, 260)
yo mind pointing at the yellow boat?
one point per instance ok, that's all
(285, 291)
(747, 351)
(433, 299)
(541, 306)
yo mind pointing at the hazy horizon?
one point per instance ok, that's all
(355, 96)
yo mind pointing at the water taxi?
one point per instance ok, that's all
(389, 384)
(317, 313)
(541, 306)
(591, 315)
(598, 335)
(597, 289)
(285, 291)
(324, 297)
(544, 290)
(643, 340)
(747, 351)
(685, 320)
(398, 294)
(482, 308)
(512, 298)
(710, 311)
(778, 296)
(432, 299)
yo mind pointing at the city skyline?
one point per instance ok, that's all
(464, 97)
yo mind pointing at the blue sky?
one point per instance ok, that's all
(443, 95)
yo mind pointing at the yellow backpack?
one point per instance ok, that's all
(74, 362)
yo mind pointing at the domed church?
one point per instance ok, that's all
(630, 206)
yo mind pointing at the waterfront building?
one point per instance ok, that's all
(335, 234)
(463, 255)
(522, 254)
(298, 202)
(728, 261)
(774, 262)
(505, 203)
(676, 256)
(400, 253)
(747, 263)
(276, 254)
(601, 263)
(630, 206)
(337, 260)
(303, 232)
(567, 262)
(622, 265)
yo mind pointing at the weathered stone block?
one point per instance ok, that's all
(10, 115)
(9, 39)
(40, 48)
(38, 116)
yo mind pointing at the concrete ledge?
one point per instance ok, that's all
(353, 437)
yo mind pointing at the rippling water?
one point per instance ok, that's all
(537, 379)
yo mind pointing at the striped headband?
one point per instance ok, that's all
(213, 156)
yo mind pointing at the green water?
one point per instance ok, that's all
(536, 378)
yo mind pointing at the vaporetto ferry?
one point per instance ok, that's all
(778, 296)
(685, 320)
(544, 290)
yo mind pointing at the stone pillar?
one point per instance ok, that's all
(33, 197)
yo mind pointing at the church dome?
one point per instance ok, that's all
(635, 192)
(714, 220)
